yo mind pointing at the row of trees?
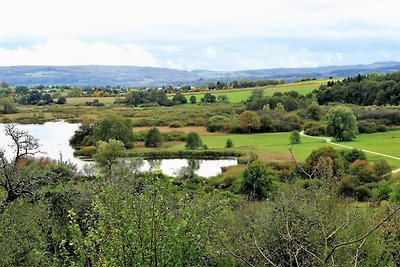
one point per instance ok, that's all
(374, 89)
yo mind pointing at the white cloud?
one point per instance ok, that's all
(196, 19)
(72, 52)
(194, 34)
(211, 52)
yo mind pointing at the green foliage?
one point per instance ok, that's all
(153, 138)
(193, 141)
(61, 100)
(295, 138)
(341, 124)
(325, 163)
(114, 127)
(218, 123)
(108, 153)
(208, 98)
(87, 151)
(193, 99)
(248, 121)
(157, 225)
(353, 154)
(7, 105)
(314, 129)
(257, 182)
(229, 143)
(179, 99)
(314, 111)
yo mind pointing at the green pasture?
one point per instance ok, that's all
(237, 95)
(385, 143)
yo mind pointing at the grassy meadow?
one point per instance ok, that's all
(277, 144)
(238, 95)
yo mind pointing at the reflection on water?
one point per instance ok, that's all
(202, 167)
(54, 140)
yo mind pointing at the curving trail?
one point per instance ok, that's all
(329, 141)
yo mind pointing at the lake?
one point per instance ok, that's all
(54, 140)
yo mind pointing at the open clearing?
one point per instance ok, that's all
(385, 143)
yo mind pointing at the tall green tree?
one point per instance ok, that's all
(257, 183)
(115, 127)
(108, 153)
(7, 105)
(153, 138)
(194, 141)
(341, 124)
(248, 121)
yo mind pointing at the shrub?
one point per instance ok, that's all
(194, 141)
(295, 138)
(87, 151)
(229, 143)
(175, 124)
(153, 138)
(366, 127)
(314, 129)
(257, 182)
(218, 123)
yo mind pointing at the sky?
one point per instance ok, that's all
(199, 34)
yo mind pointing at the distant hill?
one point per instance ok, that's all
(93, 75)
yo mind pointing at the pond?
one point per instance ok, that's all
(54, 140)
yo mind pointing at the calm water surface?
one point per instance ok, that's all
(54, 136)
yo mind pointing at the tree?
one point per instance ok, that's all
(13, 182)
(62, 100)
(153, 138)
(229, 143)
(194, 141)
(208, 98)
(115, 127)
(248, 121)
(257, 183)
(325, 163)
(266, 123)
(108, 153)
(295, 138)
(179, 98)
(314, 111)
(341, 124)
(7, 105)
(193, 99)
(222, 99)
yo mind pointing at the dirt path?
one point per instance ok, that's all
(329, 141)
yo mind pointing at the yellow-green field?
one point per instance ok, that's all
(237, 95)
(234, 95)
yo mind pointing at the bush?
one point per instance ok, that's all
(257, 182)
(354, 154)
(295, 138)
(176, 124)
(229, 143)
(61, 100)
(366, 127)
(87, 151)
(314, 129)
(153, 138)
(194, 141)
(218, 123)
